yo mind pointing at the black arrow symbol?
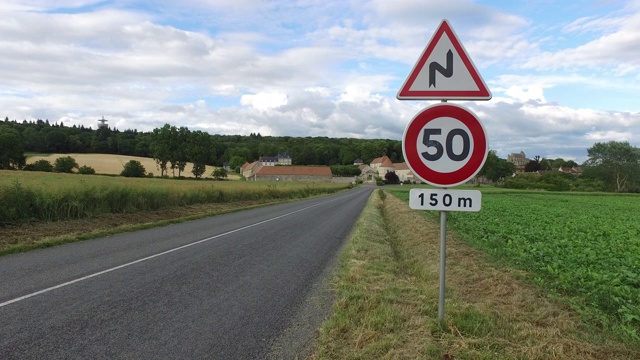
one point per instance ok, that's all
(446, 72)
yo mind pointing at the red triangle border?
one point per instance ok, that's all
(482, 93)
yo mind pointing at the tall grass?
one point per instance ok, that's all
(53, 197)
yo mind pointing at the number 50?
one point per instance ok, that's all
(448, 148)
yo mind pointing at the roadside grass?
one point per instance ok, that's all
(387, 298)
(39, 235)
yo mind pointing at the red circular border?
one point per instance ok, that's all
(414, 130)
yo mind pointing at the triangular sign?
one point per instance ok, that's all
(444, 71)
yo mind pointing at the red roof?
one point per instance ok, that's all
(380, 160)
(295, 170)
(386, 162)
(401, 166)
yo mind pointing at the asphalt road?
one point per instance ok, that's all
(225, 287)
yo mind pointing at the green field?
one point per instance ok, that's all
(582, 247)
(37, 196)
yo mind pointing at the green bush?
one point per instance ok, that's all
(219, 173)
(40, 165)
(86, 170)
(133, 168)
(65, 164)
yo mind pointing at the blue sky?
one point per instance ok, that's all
(563, 74)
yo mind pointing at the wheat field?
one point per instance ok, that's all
(113, 164)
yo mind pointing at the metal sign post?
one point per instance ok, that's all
(443, 260)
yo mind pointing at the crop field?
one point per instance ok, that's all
(113, 164)
(583, 247)
(38, 196)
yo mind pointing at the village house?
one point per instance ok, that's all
(248, 169)
(367, 173)
(283, 159)
(576, 170)
(383, 164)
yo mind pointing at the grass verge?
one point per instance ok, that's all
(25, 237)
(387, 297)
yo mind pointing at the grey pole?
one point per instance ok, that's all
(443, 256)
(443, 261)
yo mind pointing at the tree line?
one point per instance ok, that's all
(176, 145)
(611, 166)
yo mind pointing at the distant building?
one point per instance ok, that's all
(576, 170)
(283, 159)
(382, 165)
(358, 162)
(367, 173)
(519, 160)
(292, 173)
(249, 169)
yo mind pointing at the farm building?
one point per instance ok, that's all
(292, 173)
(382, 165)
(283, 159)
(248, 169)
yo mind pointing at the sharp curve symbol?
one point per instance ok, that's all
(445, 71)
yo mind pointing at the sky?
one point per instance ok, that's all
(563, 74)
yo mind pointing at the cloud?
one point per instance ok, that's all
(264, 101)
(615, 51)
(315, 68)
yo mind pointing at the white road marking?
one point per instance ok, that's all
(24, 297)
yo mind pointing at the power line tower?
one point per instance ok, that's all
(103, 123)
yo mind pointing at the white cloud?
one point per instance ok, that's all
(616, 51)
(314, 68)
(608, 136)
(263, 100)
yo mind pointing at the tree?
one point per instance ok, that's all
(391, 178)
(236, 162)
(39, 165)
(532, 166)
(345, 170)
(496, 169)
(133, 168)
(86, 170)
(219, 173)
(198, 170)
(180, 140)
(615, 162)
(199, 151)
(160, 143)
(65, 164)
(11, 151)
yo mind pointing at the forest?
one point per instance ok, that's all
(612, 166)
(40, 136)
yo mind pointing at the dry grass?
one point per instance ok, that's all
(112, 164)
(387, 301)
(34, 235)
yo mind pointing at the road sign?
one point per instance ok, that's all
(444, 71)
(445, 200)
(445, 145)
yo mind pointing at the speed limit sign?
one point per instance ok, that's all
(445, 145)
